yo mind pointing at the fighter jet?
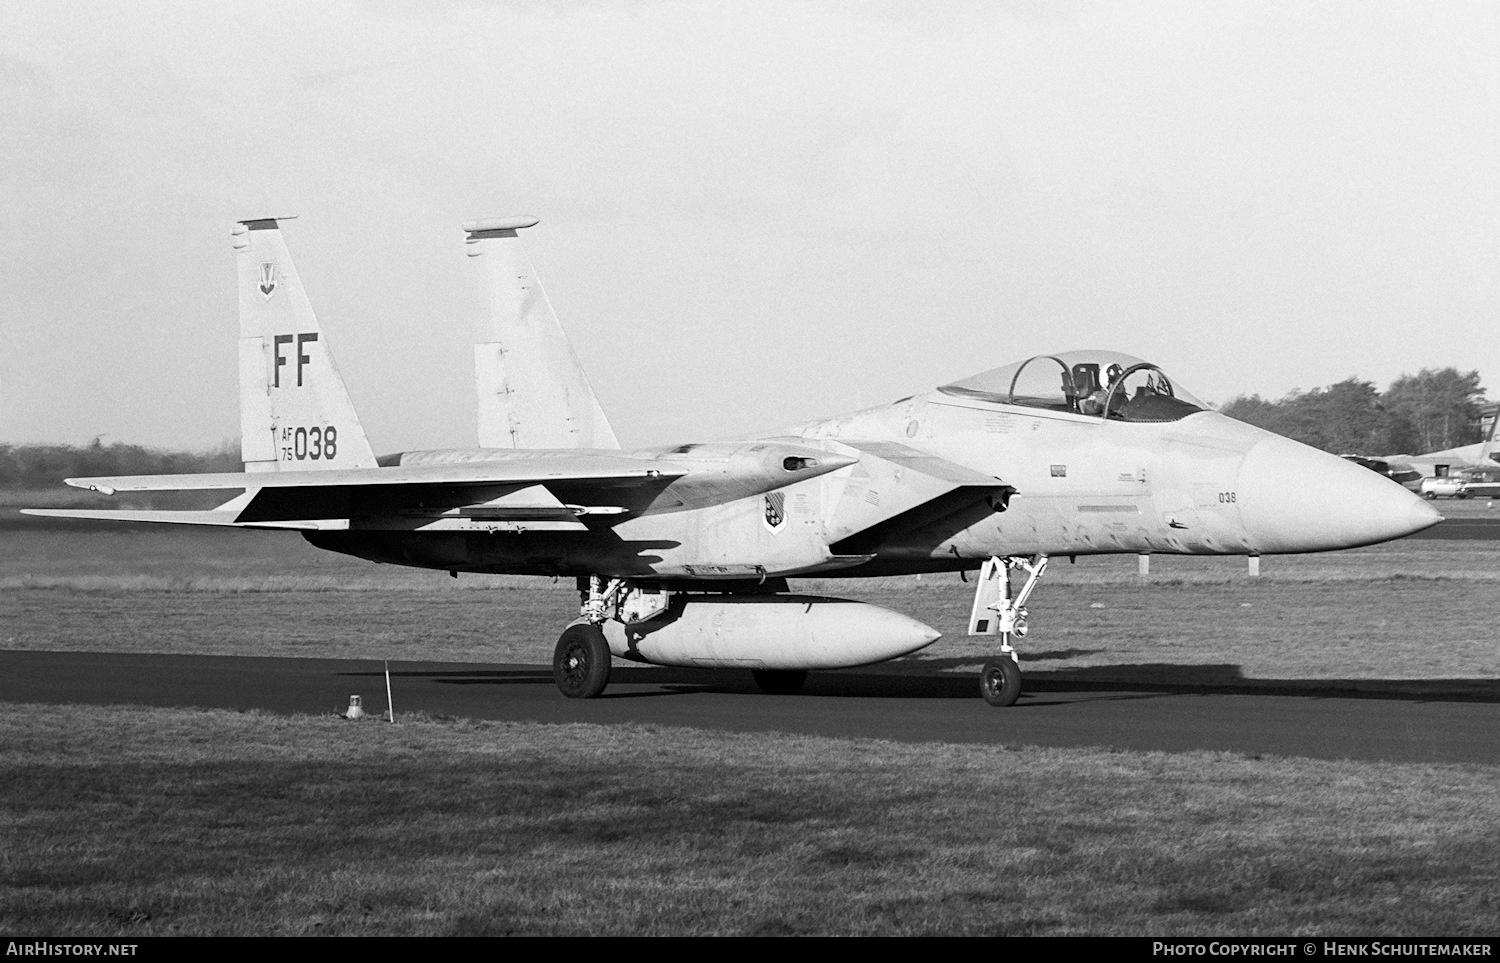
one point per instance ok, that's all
(683, 553)
(1451, 471)
(1482, 479)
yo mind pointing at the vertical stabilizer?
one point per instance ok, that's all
(294, 410)
(532, 390)
(1489, 452)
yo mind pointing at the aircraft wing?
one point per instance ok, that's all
(505, 494)
(219, 517)
(534, 490)
(541, 467)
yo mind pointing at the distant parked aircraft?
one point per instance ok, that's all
(1482, 480)
(1400, 474)
(1448, 463)
(1463, 472)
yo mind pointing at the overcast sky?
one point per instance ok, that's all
(751, 214)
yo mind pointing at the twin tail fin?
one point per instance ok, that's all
(295, 413)
(532, 392)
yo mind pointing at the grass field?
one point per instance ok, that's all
(155, 822)
(143, 822)
(1403, 611)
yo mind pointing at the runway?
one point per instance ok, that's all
(1404, 722)
(1462, 528)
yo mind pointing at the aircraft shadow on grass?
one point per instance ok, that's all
(1144, 680)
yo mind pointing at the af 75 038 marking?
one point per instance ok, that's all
(309, 444)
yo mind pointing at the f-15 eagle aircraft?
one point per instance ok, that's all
(682, 553)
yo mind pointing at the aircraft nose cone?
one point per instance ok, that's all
(1422, 516)
(1293, 498)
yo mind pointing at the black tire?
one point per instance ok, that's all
(779, 681)
(580, 664)
(1000, 682)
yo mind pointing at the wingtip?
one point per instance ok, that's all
(89, 484)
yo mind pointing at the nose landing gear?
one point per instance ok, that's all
(1000, 681)
(998, 610)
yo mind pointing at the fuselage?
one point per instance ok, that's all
(942, 481)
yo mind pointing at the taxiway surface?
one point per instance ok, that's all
(1415, 722)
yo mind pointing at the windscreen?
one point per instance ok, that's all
(1106, 384)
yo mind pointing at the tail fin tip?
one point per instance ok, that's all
(482, 225)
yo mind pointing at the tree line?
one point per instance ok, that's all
(45, 466)
(1431, 410)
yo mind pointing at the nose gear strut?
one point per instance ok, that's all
(998, 610)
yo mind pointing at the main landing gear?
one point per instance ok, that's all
(580, 665)
(581, 661)
(998, 610)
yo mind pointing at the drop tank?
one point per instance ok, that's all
(768, 632)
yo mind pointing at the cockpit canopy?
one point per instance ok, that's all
(1108, 384)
